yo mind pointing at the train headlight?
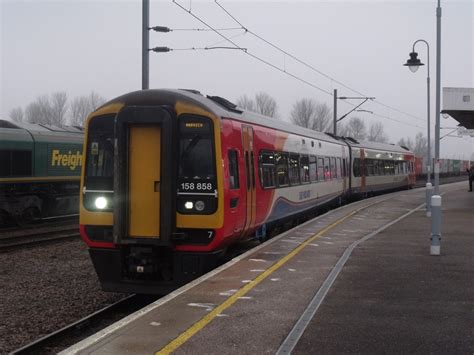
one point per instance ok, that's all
(199, 205)
(188, 205)
(101, 203)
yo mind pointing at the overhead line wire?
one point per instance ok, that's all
(274, 66)
(395, 120)
(251, 54)
(206, 29)
(310, 66)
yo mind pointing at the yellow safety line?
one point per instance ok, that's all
(196, 327)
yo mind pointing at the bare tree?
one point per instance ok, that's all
(303, 113)
(419, 146)
(376, 133)
(39, 111)
(17, 114)
(407, 143)
(266, 105)
(246, 103)
(78, 110)
(263, 104)
(323, 117)
(356, 128)
(342, 129)
(54, 110)
(46, 111)
(58, 108)
(310, 114)
(95, 101)
(82, 106)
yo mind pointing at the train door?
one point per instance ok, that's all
(144, 205)
(343, 169)
(144, 181)
(363, 170)
(249, 165)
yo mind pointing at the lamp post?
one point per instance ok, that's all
(435, 247)
(145, 44)
(413, 63)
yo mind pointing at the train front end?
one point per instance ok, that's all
(150, 209)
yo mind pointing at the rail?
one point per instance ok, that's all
(86, 326)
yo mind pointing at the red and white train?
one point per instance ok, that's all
(172, 178)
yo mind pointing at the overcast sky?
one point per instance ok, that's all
(84, 46)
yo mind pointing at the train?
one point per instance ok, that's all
(447, 167)
(39, 171)
(172, 178)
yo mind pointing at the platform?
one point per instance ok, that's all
(358, 279)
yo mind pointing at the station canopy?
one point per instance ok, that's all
(459, 104)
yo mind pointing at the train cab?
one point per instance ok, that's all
(151, 202)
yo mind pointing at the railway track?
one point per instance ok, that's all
(22, 238)
(41, 223)
(74, 332)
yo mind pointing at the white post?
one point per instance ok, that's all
(435, 248)
(429, 190)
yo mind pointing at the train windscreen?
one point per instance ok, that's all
(196, 165)
(196, 153)
(100, 164)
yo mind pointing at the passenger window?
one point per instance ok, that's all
(281, 161)
(381, 167)
(369, 167)
(267, 170)
(233, 170)
(294, 170)
(321, 169)
(327, 169)
(356, 167)
(333, 168)
(313, 172)
(304, 169)
(338, 167)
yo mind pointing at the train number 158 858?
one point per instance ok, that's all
(198, 186)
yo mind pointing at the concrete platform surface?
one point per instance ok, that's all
(358, 279)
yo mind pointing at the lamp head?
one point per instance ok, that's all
(413, 63)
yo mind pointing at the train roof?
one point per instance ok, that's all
(226, 109)
(377, 146)
(218, 106)
(40, 127)
(14, 131)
